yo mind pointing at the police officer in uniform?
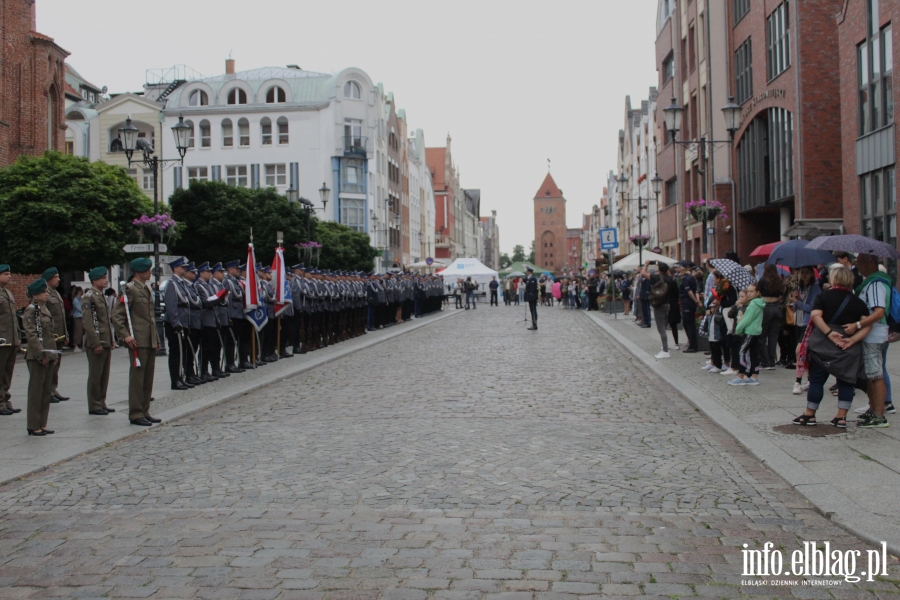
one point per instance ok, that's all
(269, 333)
(177, 319)
(10, 341)
(210, 348)
(136, 310)
(39, 356)
(96, 318)
(286, 323)
(59, 335)
(298, 299)
(531, 296)
(235, 343)
(195, 331)
(223, 320)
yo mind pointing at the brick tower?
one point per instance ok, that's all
(550, 226)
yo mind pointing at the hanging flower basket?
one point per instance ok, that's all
(160, 227)
(706, 210)
(309, 252)
(640, 240)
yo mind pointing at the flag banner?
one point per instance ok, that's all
(254, 305)
(283, 297)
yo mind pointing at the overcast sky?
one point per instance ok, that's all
(514, 82)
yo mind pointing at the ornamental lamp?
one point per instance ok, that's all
(182, 132)
(324, 193)
(673, 115)
(128, 135)
(732, 114)
(656, 182)
(621, 180)
(292, 195)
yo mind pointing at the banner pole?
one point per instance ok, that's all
(253, 347)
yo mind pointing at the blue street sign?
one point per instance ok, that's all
(609, 239)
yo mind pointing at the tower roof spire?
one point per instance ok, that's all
(548, 189)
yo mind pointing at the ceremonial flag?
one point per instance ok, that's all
(282, 289)
(254, 306)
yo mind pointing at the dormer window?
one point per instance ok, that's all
(198, 98)
(237, 96)
(352, 90)
(275, 95)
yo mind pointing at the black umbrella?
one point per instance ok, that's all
(733, 272)
(686, 264)
(797, 253)
(858, 244)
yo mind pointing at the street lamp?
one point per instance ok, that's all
(128, 135)
(622, 179)
(293, 197)
(674, 115)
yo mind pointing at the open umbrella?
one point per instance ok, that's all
(797, 253)
(763, 252)
(858, 244)
(686, 264)
(516, 274)
(733, 272)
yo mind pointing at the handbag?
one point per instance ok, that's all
(843, 364)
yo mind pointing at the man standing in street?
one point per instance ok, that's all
(494, 285)
(177, 322)
(134, 322)
(531, 296)
(235, 342)
(98, 334)
(10, 341)
(61, 337)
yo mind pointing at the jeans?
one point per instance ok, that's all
(773, 317)
(661, 314)
(690, 326)
(817, 378)
(753, 351)
(888, 399)
(572, 301)
(470, 297)
(494, 298)
(645, 307)
(521, 297)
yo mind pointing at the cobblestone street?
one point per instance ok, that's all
(504, 464)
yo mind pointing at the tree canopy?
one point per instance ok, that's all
(66, 212)
(531, 253)
(518, 254)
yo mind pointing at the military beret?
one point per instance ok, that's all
(50, 273)
(141, 265)
(4, 268)
(97, 273)
(37, 286)
(232, 264)
(181, 261)
(204, 267)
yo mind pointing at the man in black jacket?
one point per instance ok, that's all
(531, 296)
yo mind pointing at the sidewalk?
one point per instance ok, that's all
(77, 432)
(853, 478)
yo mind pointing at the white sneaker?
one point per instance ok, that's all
(798, 389)
(77, 349)
(861, 409)
(714, 369)
(728, 371)
(662, 354)
(706, 367)
(804, 387)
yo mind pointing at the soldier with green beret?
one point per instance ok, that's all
(98, 333)
(40, 355)
(133, 318)
(59, 335)
(10, 341)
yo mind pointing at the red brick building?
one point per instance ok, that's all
(868, 50)
(32, 85)
(573, 249)
(447, 198)
(550, 234)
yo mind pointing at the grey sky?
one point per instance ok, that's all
(513, 82)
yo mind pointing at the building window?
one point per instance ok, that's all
(147, 181)
(282, 130)
(227, 133)
(198, 98)
(671, 194)
(766, 160)
(741, 8)
(743, 71)
(352, 177)
(116, 145)
(244, 132)
(205, 135)
(668, 68)
(353, 213)
(878, 205)
(70, 148)
(692, 48)
(191, 138)
(276, 175)
(265, 128)
(875, 65)
(237, 96)
(236, 175)
(778, 41)
(275, 95)
(352, 90)
(198, 174)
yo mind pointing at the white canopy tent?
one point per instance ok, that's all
(437, 264)
(468, 267)
(633, 260)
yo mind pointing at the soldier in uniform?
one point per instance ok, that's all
(209, 335)
(269, 333)
(99, 344)
(235, 343)
(223, 320)
(177, 319)
(298, 299)
(59, 335)
(195, 330)
(40, 355)
(10, 341)
(134, 322)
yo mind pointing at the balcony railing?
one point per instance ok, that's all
(355, 145)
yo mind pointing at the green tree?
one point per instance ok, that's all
(67, 212)
(531, 254)
(518, 254)
(504, 260)
(344, 248)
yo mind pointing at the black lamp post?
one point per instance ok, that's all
(674, 115)
(294, 197)
(128, 135)
(656, 183)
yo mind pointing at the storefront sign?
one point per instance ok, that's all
(751, 104)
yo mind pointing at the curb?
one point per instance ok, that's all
(831, 503)
(195, 406)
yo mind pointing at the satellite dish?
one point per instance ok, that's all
(104, 89)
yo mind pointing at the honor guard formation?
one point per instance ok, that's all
(209, 333)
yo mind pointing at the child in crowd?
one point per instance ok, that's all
(750, 326)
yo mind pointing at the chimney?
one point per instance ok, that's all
(229, 66)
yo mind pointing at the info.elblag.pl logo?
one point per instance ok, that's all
(814, 560)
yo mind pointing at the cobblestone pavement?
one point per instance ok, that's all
(467, 459)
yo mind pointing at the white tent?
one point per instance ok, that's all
(633, 260)
(468, 267)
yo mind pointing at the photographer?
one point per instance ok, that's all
(470, 288)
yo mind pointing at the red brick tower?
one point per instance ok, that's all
(549, 226)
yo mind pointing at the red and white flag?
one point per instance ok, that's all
(279, 282)
(251, 287)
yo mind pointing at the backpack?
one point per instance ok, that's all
(659, 293)
(894, 307)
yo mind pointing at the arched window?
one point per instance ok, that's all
(198, 98)
(244, 132)
(275, 95)
(282, 130)
(115, 145)
(191, 138)
(265, 127)
(205, 136)
(237, 96)
(227, 133)
(352, 90)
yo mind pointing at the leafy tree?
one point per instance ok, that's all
(531, 254)
(67, 212)
(504, 259)
(216, 218)
(518, 254)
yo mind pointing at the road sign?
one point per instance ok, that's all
(609, 239)
(591, 256)
(142, 248)
(429, 261)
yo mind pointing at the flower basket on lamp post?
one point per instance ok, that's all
(640, 240)
(706, 210)
(160, 227)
